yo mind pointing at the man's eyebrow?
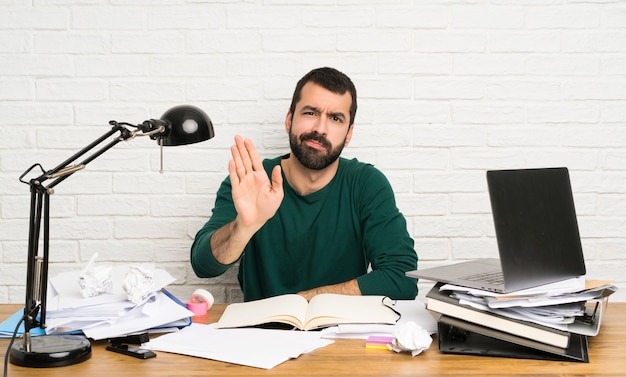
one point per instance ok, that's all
(310, 108)
(337, 114)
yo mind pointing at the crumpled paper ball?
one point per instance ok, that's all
(410, 337)
(94, 280)
(138, 284)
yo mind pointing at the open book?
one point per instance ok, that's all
(323, 310)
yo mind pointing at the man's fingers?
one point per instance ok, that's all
(238, 166)
(244, 153)
(277, 179)
(255, 160)
(234, 175)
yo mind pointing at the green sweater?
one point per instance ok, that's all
(330, 236)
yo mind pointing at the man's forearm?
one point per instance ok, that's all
(350, 287)
(228, 242)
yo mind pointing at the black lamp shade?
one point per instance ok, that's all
(186, 125)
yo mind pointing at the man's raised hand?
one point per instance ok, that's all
(256, 198)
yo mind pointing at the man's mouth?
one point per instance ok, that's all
(315, 142)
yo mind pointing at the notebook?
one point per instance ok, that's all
(536, 231)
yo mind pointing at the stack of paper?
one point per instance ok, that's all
(110, 314)
(554, 318)
(549, 305)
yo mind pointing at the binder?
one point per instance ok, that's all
(456, 336)
(440, 303)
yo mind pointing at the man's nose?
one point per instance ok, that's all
(321, 125)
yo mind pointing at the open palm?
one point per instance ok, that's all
(255, 197)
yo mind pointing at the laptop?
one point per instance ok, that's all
(536, 230)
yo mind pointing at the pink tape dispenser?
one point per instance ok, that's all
(201, 301)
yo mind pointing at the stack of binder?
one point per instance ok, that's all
(540, 326)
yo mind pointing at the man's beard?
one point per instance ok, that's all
(311, 158)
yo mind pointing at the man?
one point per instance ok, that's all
(309, 222)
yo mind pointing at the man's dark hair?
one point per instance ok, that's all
(330, 79)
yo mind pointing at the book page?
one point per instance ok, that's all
(333, 309)
(289, 309)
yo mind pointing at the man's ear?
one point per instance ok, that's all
(288, 119)
(349, 135)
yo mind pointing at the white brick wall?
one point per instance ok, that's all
(456, 87)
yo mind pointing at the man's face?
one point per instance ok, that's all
(319, 128)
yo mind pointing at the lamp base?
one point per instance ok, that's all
(49, 351)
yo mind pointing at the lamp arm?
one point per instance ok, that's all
(180, 125)
(37, 266)
(64, 169)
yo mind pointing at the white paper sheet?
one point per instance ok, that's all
(260, 348)
(157, 312)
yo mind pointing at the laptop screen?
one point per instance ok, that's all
(536, 225)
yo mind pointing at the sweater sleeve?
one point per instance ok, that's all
(203, 262)
(388, 245)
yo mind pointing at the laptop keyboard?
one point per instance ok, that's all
(489, 277)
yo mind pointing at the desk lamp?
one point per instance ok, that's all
(177, 126)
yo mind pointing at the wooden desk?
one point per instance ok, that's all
(349, 357)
